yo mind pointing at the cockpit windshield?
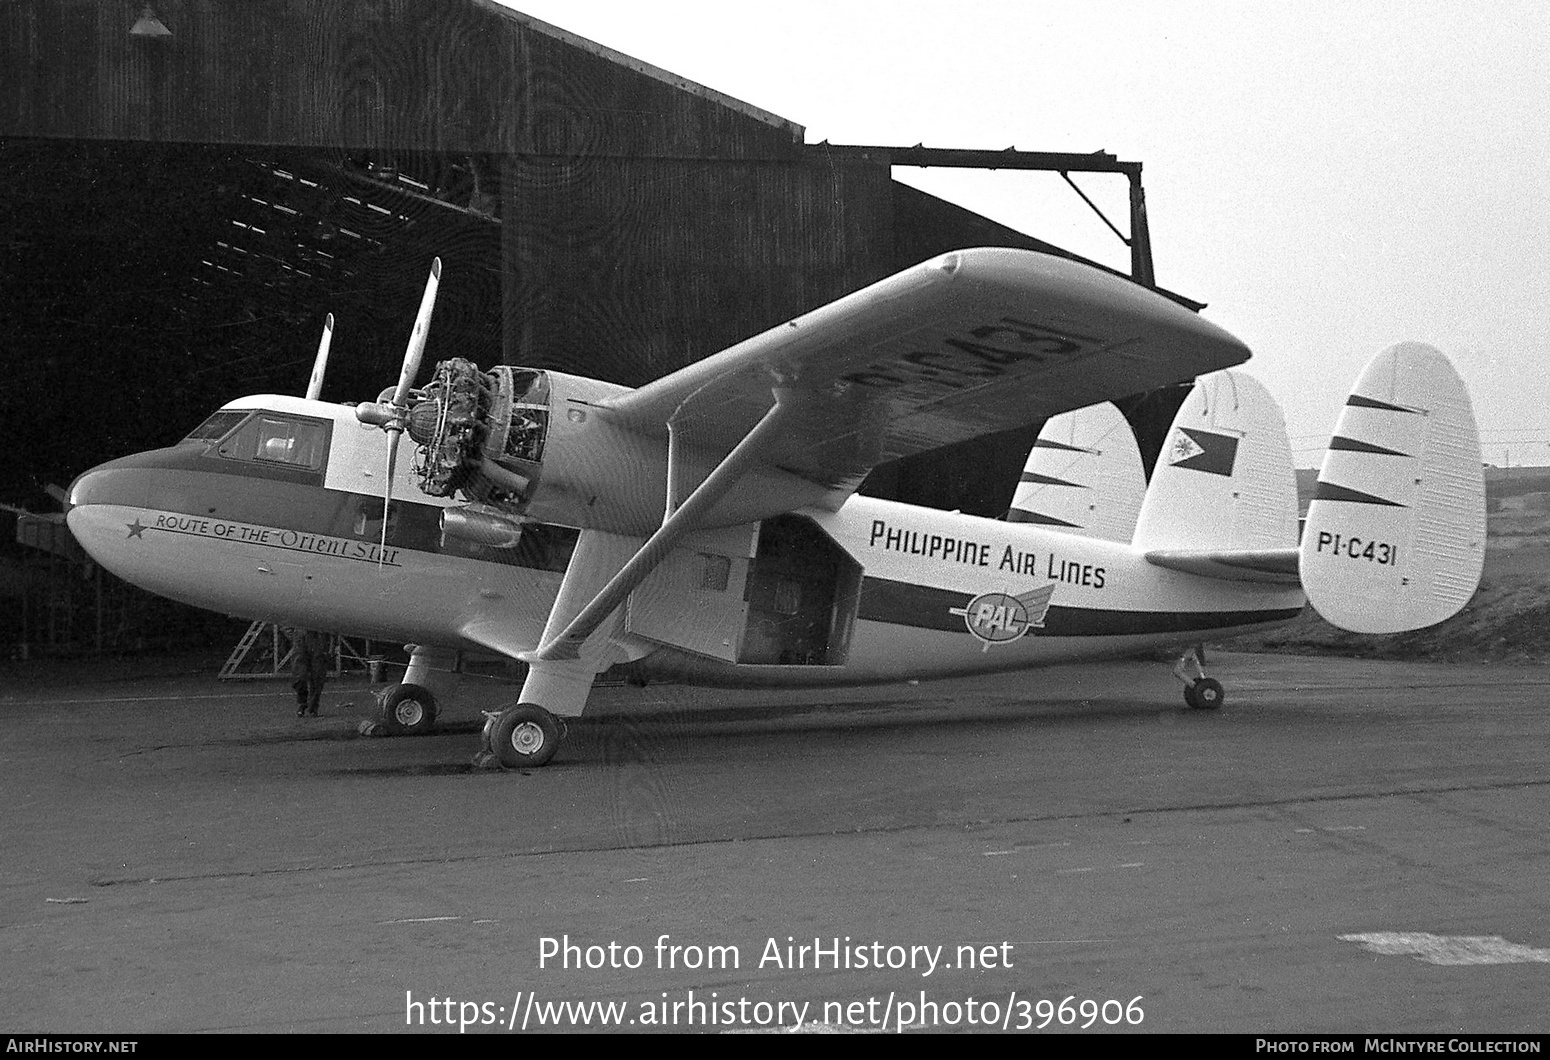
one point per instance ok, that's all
(216, 426)
(275, 438)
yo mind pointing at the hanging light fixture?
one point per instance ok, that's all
(150, 26)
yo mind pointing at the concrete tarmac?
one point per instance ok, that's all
(1348, 846)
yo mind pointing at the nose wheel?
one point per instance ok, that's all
(522, 737)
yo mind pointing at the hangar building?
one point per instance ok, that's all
(193, 184)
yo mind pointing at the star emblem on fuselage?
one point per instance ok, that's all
(136, 529)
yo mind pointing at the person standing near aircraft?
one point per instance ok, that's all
(309, 669)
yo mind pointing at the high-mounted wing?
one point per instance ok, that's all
(968, 343)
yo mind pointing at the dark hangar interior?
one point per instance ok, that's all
(192, 185)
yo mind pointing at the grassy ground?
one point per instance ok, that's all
(1507, 621)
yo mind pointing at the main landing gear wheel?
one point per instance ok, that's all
(408, 710)
(1205, 694)
(524, 736)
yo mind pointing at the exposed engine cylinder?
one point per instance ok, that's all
(481, 433)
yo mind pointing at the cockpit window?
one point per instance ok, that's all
(271, 438)
(217, 425)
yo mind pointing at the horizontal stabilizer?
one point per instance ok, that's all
(1277, 566)
(1395, 533)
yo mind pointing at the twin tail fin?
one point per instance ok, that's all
(1395, 534)
(1083, 476)
(1394, 538)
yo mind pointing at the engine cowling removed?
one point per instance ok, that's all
(481, 433)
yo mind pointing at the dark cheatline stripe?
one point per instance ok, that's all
(1355, 445)
(1328, 491)
(183, 481)
(1045, 443)
(922, 607)
(1357, 401)
(1047, 480)
(1020, 515)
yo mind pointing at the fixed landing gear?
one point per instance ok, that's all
(520, 737)
(410, 707)
(408, 710)
(1200, 692)
(1205, 694)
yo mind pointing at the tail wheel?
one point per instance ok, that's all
(408, 710)
(1208, 694)
(525, 736)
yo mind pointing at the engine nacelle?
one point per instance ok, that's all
(518, 442)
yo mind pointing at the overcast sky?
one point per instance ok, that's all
(1330, 177)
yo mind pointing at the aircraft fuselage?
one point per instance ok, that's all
(874, 590)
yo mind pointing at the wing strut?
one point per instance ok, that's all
(567, 643)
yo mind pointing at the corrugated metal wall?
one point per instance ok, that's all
(638, 222)
(411, 75)
(628, 268)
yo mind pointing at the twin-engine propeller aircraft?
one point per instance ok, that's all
(707, 525)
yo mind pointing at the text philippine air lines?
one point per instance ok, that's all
(972, 553)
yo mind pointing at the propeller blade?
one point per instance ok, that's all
(387, 491)
(320, 364)
(422, 327)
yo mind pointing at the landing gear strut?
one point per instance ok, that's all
(1200, 692)
(521, 737)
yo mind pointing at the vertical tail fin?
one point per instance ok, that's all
(1224, 479)
(1083, 476)
(1395, 534)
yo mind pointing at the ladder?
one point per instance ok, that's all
(278, 660)
(273, 660)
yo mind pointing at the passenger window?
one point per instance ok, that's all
(715, 572)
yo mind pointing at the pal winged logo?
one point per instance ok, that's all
(997, 618)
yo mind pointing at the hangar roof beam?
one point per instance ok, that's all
(1062, 162)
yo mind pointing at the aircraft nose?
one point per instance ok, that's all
(121, 482)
